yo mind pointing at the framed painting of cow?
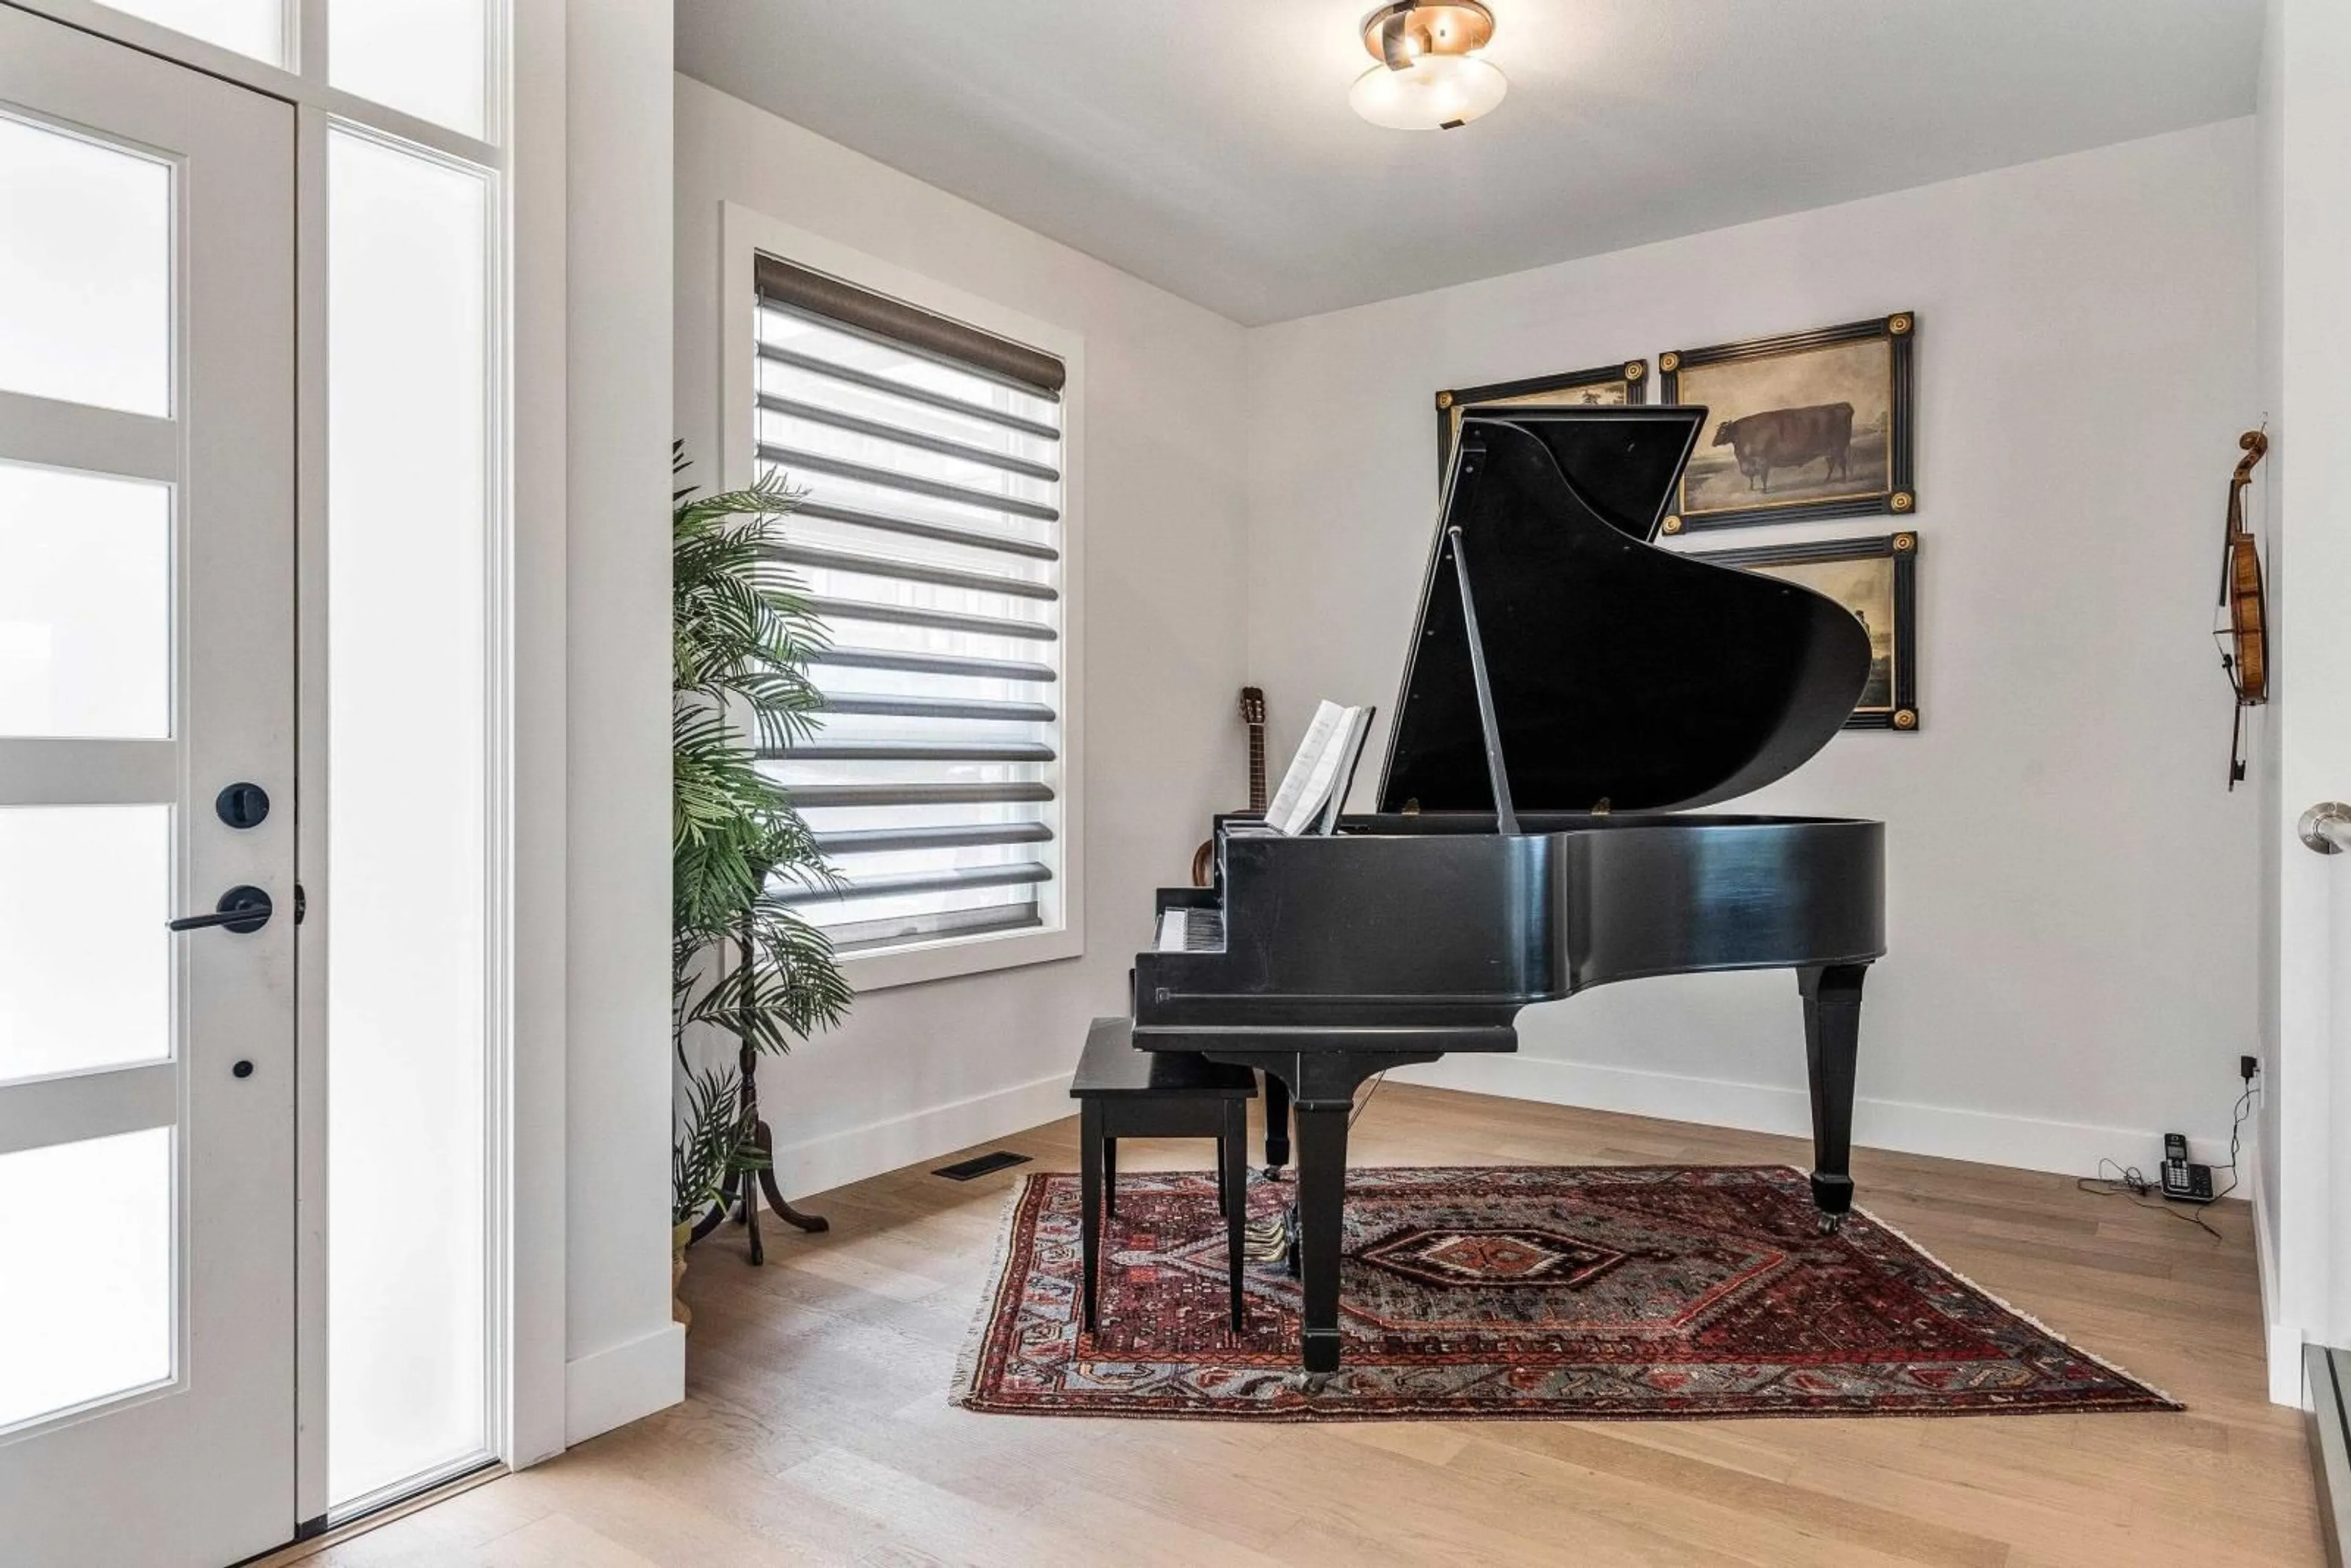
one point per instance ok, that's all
(1600, 386)
(1810, 424)
(1878, 580)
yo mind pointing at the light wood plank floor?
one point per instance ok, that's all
(816, 1428)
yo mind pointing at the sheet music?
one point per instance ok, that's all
(1351, 753)
(1315, 783)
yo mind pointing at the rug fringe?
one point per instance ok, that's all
(964, 1389)
(2004, 1305)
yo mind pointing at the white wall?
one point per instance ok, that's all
(625, 1358)
(2071, 892)
(923, 1068)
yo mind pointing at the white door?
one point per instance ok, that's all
(146, 666)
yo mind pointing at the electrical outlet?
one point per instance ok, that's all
(2249, 1068)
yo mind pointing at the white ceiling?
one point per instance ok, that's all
(1207, 146)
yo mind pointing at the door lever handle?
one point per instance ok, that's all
(2325, 827)
(242, 909)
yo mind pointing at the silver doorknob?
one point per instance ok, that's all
(2325, 827)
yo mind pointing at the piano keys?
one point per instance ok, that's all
(1572, 692)
(1186, 930)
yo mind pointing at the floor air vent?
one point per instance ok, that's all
(980, 1164)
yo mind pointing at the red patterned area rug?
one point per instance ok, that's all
(1574, 1293)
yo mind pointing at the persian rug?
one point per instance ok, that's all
(1577, 1293)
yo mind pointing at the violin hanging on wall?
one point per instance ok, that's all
(2242, 627)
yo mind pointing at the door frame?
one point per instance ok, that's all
(524, 155)
(2302, 1176)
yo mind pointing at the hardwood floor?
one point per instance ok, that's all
(816, 1428)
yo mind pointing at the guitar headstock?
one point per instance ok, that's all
(1252, 705)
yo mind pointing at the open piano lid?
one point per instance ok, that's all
(1622, 673)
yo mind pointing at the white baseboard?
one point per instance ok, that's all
(2284, 1348)
(613, 1387)
(2288, 1386)
(833, 1159)
(2068, 1148)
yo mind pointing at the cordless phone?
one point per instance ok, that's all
(2187, 1183)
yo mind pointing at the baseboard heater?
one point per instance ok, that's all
(2327, 1382)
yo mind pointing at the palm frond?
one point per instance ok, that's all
(743, 635)
(712, 1142)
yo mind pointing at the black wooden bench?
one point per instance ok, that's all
(1122, 1093)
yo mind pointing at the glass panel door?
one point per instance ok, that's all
(146, 664)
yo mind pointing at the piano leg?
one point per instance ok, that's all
(1321, 1214)
(1277, 1126)
(1232, 1188)
(1319, 1085)
(1831, 1038)
(1091, 1143)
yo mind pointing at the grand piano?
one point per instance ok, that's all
(1571, 691)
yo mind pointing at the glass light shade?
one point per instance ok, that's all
(1432, 93)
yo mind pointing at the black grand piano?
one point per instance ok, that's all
(1572, 690)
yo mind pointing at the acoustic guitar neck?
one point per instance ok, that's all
(1253, 715)
(1204, 858)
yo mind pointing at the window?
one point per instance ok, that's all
(430, 59)
(254, 28)
(410, 527)
(929, 457)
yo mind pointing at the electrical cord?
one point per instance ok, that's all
(2236, 1132)
(2128, 1179)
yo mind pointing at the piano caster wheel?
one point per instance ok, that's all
(1290, 1240)
(1832, 1223)
(1311, 1381)
(1275, 1173)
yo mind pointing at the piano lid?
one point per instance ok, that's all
(1621, 671)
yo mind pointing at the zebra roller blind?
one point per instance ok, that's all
(929, 454)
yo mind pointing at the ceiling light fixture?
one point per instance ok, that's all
(1429, 76)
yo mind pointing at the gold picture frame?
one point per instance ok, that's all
(1878, 580)
(1805, 425)
(1602, 386)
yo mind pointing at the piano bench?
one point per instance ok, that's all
(1124, 1093)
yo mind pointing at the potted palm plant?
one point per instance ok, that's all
(742, 960)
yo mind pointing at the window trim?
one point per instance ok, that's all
(743, 234)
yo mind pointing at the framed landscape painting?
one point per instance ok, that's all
(1603, 386)
(1811, 425)
(1878, 580)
